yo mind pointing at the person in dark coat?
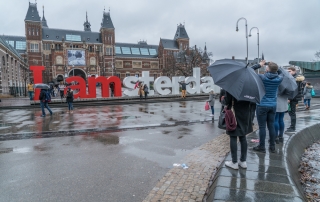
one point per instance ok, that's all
(69, 100)
(44, 102)
(221, 98)
(146, 91)
(242, 111)
(183, 88)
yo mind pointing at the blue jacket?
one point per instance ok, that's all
(271, 83)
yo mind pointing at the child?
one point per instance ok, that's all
(70, 100)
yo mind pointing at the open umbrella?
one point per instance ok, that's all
(41, 86)
(288, 85)
(240, 81)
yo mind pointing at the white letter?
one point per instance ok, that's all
(146, 79)
(158, 85)
(207, 84)
(127, 82)
(195, 80)
(176, 85)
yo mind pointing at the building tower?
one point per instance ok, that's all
(44, 21)
(33, 31)
(86, 24)
(181, 37)
(107, 31)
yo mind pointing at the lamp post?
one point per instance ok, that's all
(258, 41)
(246, 32)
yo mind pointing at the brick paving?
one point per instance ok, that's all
(191, 184)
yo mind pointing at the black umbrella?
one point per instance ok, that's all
(288, 85)
(41, 86)
(240, 81)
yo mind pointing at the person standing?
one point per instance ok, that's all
(266, 109)
(111, 85)
(141, 92)
(282, 107)
(307, 95)
(146, 91)
(244, 126)
(211, 101)
(62, 86)
(293, 102)
(69, 99)
(183, 88)
(44, 98)
(30, 88)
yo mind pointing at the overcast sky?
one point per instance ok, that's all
(289, 29)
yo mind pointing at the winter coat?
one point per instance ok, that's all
(299, 81)
(271, 82)
(211, 99)
(282, 103)
(184, 85)
(42, 96)
(243, 116)
(69, 96)
(307, 92)
(141, 92)
(146, 89)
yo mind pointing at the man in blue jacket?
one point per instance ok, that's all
(266, 110)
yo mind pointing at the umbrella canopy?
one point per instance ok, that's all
(288, 85)
(240, 81)
(41, 86)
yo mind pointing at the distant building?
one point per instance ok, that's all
(87, 53)
(14, 71)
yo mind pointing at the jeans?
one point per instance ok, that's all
(70, 106)
(45, 105)
(61, 93)
(234, 148)
(146, 95)
(212, 109)
(292, 114)
(266, 115)
(279, 124)
(307, 102)
(30, 95)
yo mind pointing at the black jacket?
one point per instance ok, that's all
(184, 85)
(243, 115)
(42, 96)
(69, 96)
(300, 84)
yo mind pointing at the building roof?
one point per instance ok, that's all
(106, 21)
(181, 32)
(17, 42)
(70, 35)
(169, 44)
(44, 21)
(32, 13)
(139, 50)
(314, 66)
(3, 41)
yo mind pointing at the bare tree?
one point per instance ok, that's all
(317, 55)
(183, 62)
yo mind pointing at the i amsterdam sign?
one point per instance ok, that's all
(162, 85)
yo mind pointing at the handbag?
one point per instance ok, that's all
(230, 118)
(313, 93)
(222, 122)
(206, 106)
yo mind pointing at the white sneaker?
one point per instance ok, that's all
(232, 165)
(242, 164)
(211, 115)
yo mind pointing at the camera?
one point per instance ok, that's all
(267, 63)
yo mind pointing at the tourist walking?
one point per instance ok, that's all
(146, 91)
(69, 99)
(282, 107)
(45, 98)
(266, 109)
(183, 88)
(244, 126)
(30, 88)
(141, 92)
(307, 93)
(294, 102)
(211, 101)
(62, 86)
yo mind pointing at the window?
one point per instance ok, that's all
(73, 37)
(144, 51)
(118, 75)
(47, 57)
(128, 74)
(136, 75)
(118, 50)
(21, 45)
(37, 32)
(153, 51)
(155, 76)
(109, 51)
(126, 50)
(11, 43)
(34, 47)
(135, 51)
(29, 31)
(32, 31)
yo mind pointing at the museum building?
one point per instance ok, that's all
(86, 53)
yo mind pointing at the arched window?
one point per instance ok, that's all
(32, 31)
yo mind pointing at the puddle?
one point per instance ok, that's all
(22, 150)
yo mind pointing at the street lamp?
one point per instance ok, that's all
(258, 41)
(237, 29)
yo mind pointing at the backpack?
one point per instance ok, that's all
(47, 97)
(313, 93)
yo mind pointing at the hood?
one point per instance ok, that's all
(270, 75)
(299, 77)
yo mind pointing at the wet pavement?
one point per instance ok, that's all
(120, 165)
(267, 177)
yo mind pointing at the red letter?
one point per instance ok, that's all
(37, 78)
(104, 86)
(81, 86)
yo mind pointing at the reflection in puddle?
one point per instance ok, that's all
(22, 150)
